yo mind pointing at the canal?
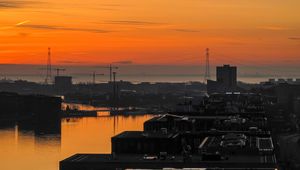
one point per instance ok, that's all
(23, 147)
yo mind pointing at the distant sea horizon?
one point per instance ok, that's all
(144, 73)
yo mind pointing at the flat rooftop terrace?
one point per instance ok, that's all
(141, 134)
(137, 161)
(170, 118)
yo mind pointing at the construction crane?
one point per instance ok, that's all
(111, 68)
(49, 78)
(58, 70)
(94, 77)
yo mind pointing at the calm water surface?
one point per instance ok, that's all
(25, 148)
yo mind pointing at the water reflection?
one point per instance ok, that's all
(27, 147)
(42, 146)
(92, 135)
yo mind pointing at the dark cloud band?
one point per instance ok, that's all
(50, 27)
(17, 4)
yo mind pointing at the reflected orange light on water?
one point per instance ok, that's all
(93, 135)
(23, 148)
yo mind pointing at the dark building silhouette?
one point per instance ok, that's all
(227, 75)
(288, 96)
(63, 83)
(38, 108)
(134, 142)
(226, 80)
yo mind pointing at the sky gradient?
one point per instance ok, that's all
(238, 32)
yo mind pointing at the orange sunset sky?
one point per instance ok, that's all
(249, 32)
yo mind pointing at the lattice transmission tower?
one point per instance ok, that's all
(207, 66)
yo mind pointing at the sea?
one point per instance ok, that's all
(142, 73)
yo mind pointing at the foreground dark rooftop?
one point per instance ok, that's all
(138, 161)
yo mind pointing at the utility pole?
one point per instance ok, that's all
(110, 72)
(115, 91)
(49, 68)
(111, 67)
(94, 78)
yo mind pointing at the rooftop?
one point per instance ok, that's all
(110, 161)
(141, 134)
